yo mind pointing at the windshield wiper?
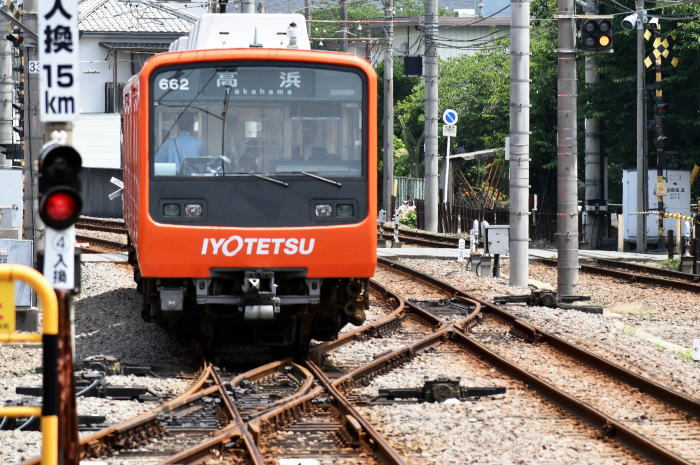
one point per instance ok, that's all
(272, 180)
(321, 178)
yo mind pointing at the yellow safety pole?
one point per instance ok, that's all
(49, 337)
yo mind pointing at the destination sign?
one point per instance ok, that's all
(239, 82)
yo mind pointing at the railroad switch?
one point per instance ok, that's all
(437, 390)
(446, 307)
(545, 298)
(94, 384)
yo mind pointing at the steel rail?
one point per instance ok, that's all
(658, 391)
(606, 424)
(239, 428)
(609, 426)
(655, 280)
(95, 226)
(380, 444)
(624, 435)
(649, 269)
(422, 238)
(101, 242)
(96, 444)
(268, 370)
(382, 325)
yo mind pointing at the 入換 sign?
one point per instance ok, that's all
(59, 258)
(58, 56)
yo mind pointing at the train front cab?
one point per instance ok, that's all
(266, 230)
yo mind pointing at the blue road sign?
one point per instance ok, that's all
(450, 116)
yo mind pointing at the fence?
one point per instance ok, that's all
(408, 188)
(543, 225)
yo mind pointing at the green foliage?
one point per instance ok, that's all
(407, 215)
(477, 86)
(410, 219)
(672, 264)
(614, 98)
(401, 160)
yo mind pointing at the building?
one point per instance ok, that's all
(116, 37)
(457, 36)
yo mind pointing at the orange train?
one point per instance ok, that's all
(250, 190)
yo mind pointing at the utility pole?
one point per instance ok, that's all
(519, 164)
(388, 104)
(642, 188)
(344, 25)
(430, 61)
(594, 172)
(247, 6)
(34, 129)
(567, 151)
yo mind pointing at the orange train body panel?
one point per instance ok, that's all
(182, 251)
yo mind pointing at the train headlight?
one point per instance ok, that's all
(345, 209)
(171, 209)
(324, 209)
(193, 210)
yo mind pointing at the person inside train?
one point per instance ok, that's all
(184, 145)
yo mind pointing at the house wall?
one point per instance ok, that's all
(96, 70)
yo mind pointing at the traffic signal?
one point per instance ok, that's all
(15, 37)
(60, 202)
(596, 35)
(660, 108)
(661, 142)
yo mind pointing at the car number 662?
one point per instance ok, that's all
(174, 84)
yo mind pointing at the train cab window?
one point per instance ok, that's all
(257, 119)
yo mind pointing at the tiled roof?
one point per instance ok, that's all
(135, 16)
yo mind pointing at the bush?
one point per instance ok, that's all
(407, 215)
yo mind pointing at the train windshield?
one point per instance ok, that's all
(264, 120)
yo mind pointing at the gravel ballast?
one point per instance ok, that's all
(613, 335)
(107, 322)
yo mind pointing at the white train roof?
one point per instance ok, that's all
(239, 30)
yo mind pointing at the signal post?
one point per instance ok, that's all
(60, 201)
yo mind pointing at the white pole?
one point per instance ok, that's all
(430, 73)
(519, 142)
(447, 171)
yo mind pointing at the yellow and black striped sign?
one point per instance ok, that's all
(661, 49)
(680, 216)
(16, 11)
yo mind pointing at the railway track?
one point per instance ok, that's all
(606, 267)
(423, 238)
(284, 410)
(638, 273)
(93, 244)
(660, 423)
(101, 224)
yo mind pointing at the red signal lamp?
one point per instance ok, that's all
(60, 202)
(60, 209)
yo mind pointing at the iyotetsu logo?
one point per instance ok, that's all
(235, 245)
